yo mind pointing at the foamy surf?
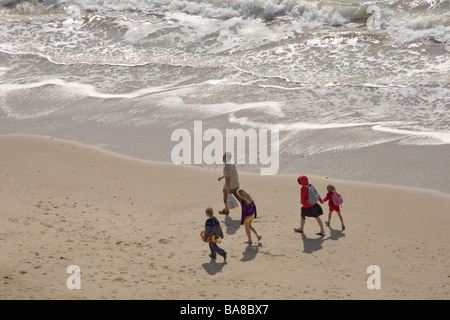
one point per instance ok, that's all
(123, 74)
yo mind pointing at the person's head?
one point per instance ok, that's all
(303, 180)
(227, 157)
(331, 188)
(245, 196)
(209, 212)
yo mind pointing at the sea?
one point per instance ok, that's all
(357, 90)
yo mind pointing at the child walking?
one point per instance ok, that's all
(248, 214)
(213, 230)
(332, 206)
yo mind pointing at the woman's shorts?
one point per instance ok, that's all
(314, 211)
(249, 218)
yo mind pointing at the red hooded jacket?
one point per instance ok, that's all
(303, 180)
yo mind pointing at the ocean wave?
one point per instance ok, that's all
(433, 137)
(429, 5)
(296, 41)
(4, 70)
(87, 90)
(403, 21)
(300, 125)
(391, 127)
(330, 12)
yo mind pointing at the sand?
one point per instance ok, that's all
(133, 228)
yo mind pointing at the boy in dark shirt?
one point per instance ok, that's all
(213, 231)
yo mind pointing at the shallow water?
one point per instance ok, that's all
(124, 75)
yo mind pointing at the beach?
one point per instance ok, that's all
(133, 229)
(115, 115)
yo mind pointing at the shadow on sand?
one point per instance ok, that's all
(335, 234)
(311, 245)
(213, 267)
(250, 252)
(232, 226)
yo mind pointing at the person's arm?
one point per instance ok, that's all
(303, 195)
(220, 178)
(227, 184)
(226, 175)
(325, 199)
(220, 232)
(208, 232)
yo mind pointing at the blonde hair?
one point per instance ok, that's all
(209, 211)
(245, 196)
(331, 188)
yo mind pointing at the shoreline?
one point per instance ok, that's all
(389, 164)
(132, 226)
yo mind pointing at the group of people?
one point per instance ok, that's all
(213, 230)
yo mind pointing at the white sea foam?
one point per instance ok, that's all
(299, 125)
(85, 90)
(387, 127)
(291, 65)
(3, 71)
(437, 137)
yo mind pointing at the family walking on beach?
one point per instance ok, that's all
(309, 198)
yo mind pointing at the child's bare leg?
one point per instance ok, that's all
(340, 217)
(329, 217)
(247, 231)
(254, 231)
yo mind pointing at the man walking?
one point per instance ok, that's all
(231, 185)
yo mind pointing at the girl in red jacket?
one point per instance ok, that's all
(332, 206)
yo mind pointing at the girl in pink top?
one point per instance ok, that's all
(331, 206)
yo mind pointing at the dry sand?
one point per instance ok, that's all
(133, 229)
